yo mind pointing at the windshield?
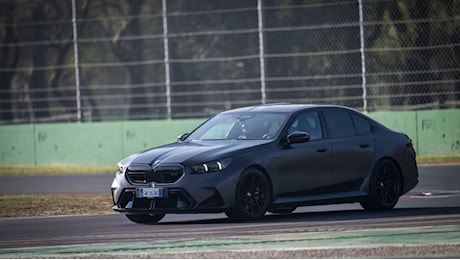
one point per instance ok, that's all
(234, 126)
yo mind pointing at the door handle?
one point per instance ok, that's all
(364, 145)
(321, 149)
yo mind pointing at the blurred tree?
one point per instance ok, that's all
(129, 51)
(9, 58)
(311, 54)
(414, 29)
(200, 31)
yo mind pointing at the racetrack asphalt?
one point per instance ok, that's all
(425, 223)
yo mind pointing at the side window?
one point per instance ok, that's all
(362, 125)
(308, 122)
(339, 123)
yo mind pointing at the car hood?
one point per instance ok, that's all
(192, 152)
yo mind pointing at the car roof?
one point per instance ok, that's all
(293, 108)
(283, 107)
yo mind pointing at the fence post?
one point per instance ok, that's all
(260, 20)
(76, 59)
(363, 54)
(166, 59)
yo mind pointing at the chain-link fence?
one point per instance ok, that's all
(97, 60)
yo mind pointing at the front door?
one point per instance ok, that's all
(306, 167)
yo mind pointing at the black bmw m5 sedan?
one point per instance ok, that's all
(247, 161)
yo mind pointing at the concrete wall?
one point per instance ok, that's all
(103, 143)
(435, 132)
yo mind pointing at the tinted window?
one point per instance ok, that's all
(362, 125)
(339, 123)
(308, 122)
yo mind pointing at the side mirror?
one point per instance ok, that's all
(297, 137)
(182, 137)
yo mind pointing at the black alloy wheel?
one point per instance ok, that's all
(253, 196)
(145, 218)
(384, 187)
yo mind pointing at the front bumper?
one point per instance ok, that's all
(177, 200)
(193, 193)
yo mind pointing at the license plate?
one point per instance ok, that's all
(150, 193)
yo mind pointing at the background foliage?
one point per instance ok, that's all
(311, 54)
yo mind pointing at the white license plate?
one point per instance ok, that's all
(150, 193)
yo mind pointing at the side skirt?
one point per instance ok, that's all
(320, 199)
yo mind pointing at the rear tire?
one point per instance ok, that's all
(253, 196)
(384, 187)
(145, 218)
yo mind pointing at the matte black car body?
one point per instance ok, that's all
(340, 156)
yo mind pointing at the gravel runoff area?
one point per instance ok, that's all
(403, 251)
(407, 242)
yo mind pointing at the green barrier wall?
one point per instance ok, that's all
(102, 143)
(434, 132)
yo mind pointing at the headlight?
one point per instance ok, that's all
(124, 163)
(214, 166)
(121, 167)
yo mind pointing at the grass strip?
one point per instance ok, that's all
(438, 159)
(55, 204)
(28, 170)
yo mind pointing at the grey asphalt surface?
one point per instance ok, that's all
(432, 177)
(434, 204)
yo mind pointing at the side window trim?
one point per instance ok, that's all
(324, 126)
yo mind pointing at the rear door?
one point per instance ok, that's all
(352, 147)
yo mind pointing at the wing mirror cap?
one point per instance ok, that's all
(182, 137)
(297, 137)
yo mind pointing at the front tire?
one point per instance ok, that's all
(145, 218)
(253, 196)
(384, 188)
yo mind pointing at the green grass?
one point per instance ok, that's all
(54, 204)
(439, 159)
(17, 170)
